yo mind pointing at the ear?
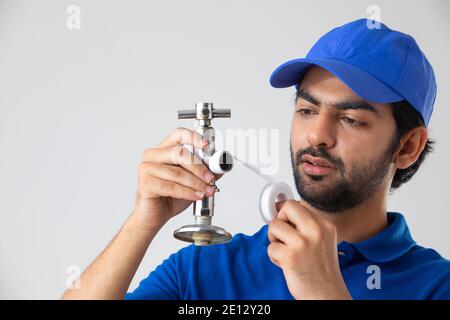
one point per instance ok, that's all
(411, 146)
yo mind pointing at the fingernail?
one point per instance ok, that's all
(209, 190)
(208, 176)
(199, 194)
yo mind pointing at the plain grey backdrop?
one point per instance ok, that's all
(78, 107)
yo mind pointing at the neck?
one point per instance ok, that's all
(361, 222)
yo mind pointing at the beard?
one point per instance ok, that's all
(343, 188)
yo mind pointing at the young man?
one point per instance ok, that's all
(359, 129)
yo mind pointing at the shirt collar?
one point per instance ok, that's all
(390, 243)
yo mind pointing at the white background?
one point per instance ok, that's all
(78, 107)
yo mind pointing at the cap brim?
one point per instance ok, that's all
(362, 83)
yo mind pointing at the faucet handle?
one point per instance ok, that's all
(204, 111)
(221, 113)
(187, 114)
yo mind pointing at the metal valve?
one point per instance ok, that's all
(202, 232)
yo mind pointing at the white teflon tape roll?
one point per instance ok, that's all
(221, 162)
(272, 193)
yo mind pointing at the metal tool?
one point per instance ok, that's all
(202, 232)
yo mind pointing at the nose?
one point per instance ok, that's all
(322, 131)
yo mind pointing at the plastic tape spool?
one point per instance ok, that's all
(221, 162)
(272, 193)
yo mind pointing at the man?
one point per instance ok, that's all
(359, 129)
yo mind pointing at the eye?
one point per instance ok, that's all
(351, 122)
(305, 112)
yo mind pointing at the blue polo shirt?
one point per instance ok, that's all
(389, 265)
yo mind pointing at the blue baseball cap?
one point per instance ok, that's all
(379, 64)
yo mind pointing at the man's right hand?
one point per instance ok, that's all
(170, 179)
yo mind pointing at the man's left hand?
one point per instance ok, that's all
(304, 246)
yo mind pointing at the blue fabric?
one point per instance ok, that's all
(380, 65)
(241, 269)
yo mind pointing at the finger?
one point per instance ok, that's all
(298, 216)
(279, 205)
(275, 251)
(176, 174)
(154, 187)
(178, 155)
(183, 136)
(280, 230)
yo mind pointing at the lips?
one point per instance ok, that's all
(316, 161)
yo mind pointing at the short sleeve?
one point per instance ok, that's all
(161, 284)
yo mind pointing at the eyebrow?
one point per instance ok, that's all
(344, 105)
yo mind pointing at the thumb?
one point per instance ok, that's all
(279, 205)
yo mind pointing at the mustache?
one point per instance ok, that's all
(320, 152)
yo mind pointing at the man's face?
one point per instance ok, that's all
(341, 145)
